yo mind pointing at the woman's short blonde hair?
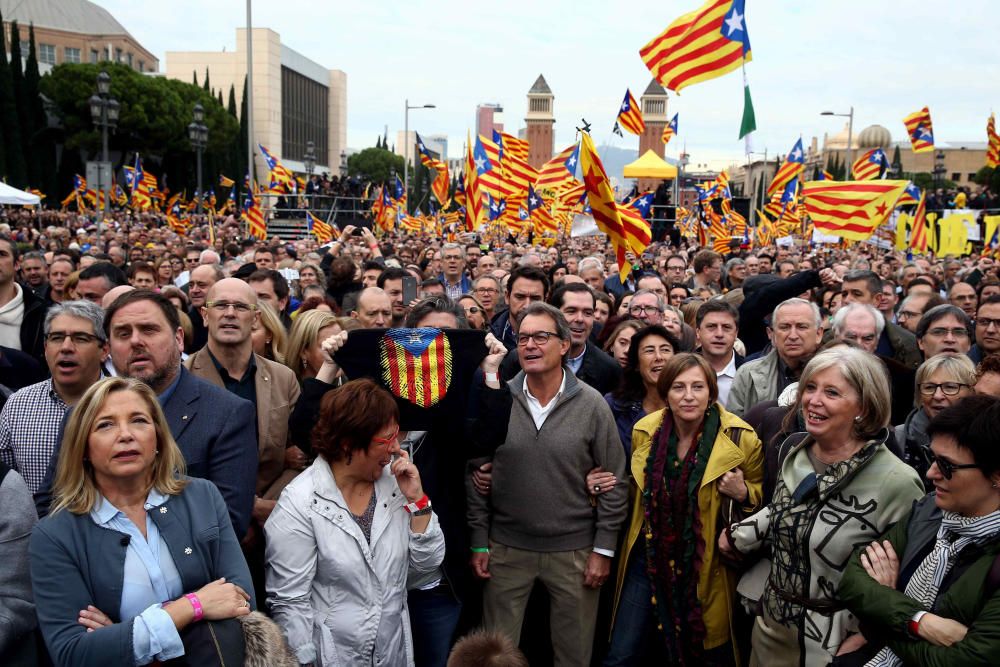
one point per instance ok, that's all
(958, 366)
(74, 487)
(866, 375)
(305, 329)
(275, 350)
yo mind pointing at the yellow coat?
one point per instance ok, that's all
(716, 582)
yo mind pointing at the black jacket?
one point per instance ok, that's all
(598, 369)
(33, 325)
(761, 294)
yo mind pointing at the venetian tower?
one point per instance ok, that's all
(539, 122)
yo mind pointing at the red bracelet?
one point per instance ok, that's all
(914, 627)
(417, 506)
(199, 613)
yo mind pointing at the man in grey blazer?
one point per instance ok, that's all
(216, 431)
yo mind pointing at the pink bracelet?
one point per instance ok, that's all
(199, 613)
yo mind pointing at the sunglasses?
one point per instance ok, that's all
(946, 467)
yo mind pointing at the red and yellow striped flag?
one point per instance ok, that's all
(700, 45)
(850, 209)
(474, 199)
(918, 232)
(993, 143)
(630, 115)
(921, 132)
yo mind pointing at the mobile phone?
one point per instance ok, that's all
(409, 289)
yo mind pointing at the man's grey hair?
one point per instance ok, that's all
(453, 246)
(661, 303)
(542, 308)
(85, 310)
(735, 261)
(817, 316)
(34, 254)
(209, 257)
(590, 263)
(840, 319)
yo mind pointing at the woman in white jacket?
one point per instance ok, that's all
(346, 532)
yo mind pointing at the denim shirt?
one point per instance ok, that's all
(151, 579)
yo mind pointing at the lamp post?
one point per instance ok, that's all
(343, 164)
(939, 169)
(309, 160)
(406, 146)
(198, 135)
(850, 135)
(104, 111)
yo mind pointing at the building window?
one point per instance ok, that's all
(129, 59)
(305, 116)
(118, 55)
(142, 65)
(972, 175)
(94, 56)
(71, 55)
(47, 54)
(956, 176)
(25, 45)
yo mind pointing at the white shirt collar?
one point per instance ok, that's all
(730, 369)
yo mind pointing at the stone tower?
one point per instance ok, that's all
(539, 123)
(654, 113)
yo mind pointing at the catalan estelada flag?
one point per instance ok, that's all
(416, 364)
(630, 115)
(993, 143)
(701, 45)
(870, 165)
(559, 171)
(790, 169)
(254, 216)
(279, 173)
(225, 181)
(439, 186)
(851, 209)
(911, 195)
(921, 132)
(474, 198)
(321, 230)
(919, 233)
(669, 130)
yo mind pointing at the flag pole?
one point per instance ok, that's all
(249, 91)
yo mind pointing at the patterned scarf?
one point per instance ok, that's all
(674, 544)
(955, 533)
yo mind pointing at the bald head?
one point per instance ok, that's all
(113, 294)
(374, 310)
(234, 287)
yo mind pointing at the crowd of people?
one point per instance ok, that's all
(398, 449)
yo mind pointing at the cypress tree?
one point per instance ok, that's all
(24, 116)
(206, 86)
(244, 158)
(13, 166)
(194, 77)
(42, 141)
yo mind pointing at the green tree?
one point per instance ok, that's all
(194, 78)
(43, 139)
(153, 119)
(206, 85)
(375, 164)
(24, 118)
(13, 165)
(990, 177)
(245, 165)
(897, 162)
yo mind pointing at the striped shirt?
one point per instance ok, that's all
(29, 428)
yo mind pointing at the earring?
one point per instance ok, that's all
(857, 419)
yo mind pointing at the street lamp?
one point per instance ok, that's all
(850, 135)
(198, 135)
(343, 164)
(309, 160)
(939, 169)
(104, 111)
(406, 143)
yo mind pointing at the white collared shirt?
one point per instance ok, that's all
(574, 363)
(540, 412)
(725, 378)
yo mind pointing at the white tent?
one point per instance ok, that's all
(9, 195)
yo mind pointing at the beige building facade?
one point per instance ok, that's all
(74, 31)
(295, 99)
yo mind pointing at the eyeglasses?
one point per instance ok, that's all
(223, 306)
(941, 332)
(386, 441)
(986, 323)
(473, 310)
(486, 290)
(906, 314)
(539, 337)
(948, 468)
(869, 338)
(641, 310)
(947, 388)
(78, 337)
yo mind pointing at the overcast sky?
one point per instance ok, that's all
(885, 57)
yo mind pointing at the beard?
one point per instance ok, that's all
(157, 378)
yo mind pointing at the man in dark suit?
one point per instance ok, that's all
(717, 323)
(588, 362)
(215, 430)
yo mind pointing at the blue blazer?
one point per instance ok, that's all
(75, 563)
(217, 433)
